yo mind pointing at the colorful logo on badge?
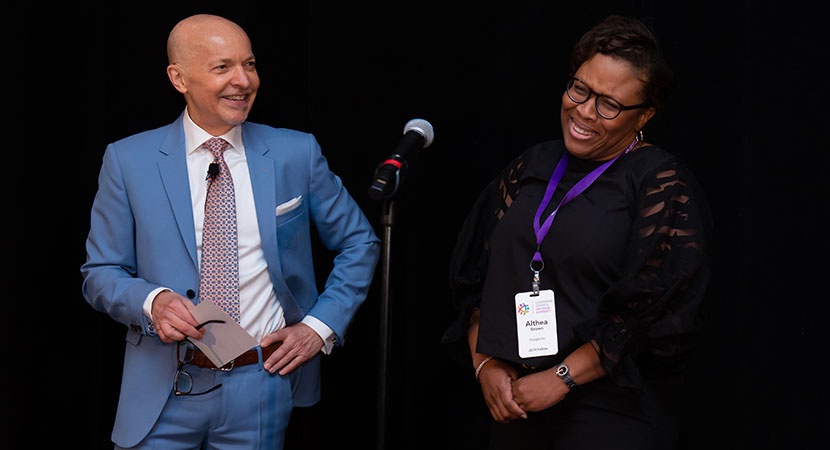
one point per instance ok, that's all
(524, 308)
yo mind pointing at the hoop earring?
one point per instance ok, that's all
(639, 136)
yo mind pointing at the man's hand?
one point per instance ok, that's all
(299, 344)
(172, 318)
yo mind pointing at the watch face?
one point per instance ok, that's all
(563, 372)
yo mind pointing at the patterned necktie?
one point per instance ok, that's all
(219, 277)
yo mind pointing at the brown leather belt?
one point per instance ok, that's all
(249, 357)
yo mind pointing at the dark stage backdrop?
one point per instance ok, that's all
(748, 116)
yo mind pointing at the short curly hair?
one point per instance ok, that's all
(629, 39)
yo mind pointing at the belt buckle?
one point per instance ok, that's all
(227, 367)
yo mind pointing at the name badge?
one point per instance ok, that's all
(536, 324)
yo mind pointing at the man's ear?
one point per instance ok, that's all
(174, 73)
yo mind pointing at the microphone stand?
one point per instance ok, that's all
(387, 220)
(417, 133)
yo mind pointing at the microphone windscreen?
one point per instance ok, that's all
(423, 128)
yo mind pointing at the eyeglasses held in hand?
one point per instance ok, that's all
(199, 327)
(606, 107)
(183, 384)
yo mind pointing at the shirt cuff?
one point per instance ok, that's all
(148, 307)
(323, 330)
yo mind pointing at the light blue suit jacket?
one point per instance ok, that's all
(142, 237)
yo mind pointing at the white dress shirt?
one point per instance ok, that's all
(260, 312)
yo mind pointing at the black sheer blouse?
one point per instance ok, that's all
(626, 259)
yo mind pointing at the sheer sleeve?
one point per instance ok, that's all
(469, 260)
(649, 319)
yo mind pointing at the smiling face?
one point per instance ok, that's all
(589, 136)
(212, 64)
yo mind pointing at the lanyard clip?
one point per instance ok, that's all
(536, 265)
(535, 283)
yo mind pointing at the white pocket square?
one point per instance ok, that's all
(289, 205)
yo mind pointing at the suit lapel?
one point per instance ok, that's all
(263, 184)
(263, 173)
(173, 170)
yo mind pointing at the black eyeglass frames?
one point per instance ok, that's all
(606, 107)
(183, 383)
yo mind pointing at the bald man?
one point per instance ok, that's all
(144, 251)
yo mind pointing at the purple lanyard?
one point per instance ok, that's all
(542, 230)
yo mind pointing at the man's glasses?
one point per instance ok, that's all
(607, 107)
(198, 327)
(183, 384)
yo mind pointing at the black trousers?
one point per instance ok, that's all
(598, 416)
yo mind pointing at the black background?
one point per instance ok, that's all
(749, 116)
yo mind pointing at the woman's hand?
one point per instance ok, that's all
(497, 378)
(539, 390)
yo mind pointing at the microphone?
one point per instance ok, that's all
(213, 170)
(417, 134)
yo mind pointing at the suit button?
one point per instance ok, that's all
(191, 293)
(136, 328)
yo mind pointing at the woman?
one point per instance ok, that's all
(581, 270)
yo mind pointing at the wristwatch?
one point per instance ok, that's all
(563, 372)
